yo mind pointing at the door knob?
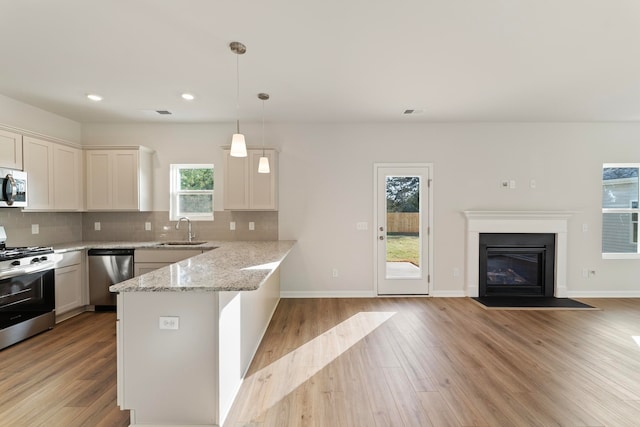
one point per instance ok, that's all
(381, 237)
(381, 228)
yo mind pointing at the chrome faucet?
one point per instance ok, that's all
(190, 235)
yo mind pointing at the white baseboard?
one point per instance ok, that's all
(603, 294)
(360, 294)
(327, 294)
(448, 294)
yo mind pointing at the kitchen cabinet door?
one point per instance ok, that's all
(68, 285)
(67, 178)
(55, 175)
(38, 163)
(119, 179)
(10, 150)
(244, 187)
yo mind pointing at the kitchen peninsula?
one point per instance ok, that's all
(187, 332)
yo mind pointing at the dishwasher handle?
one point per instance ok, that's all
(110, 252)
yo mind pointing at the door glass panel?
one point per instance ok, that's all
(403, 239)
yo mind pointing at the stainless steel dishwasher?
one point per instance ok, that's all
(107, 267)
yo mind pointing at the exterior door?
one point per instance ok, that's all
(403, 223)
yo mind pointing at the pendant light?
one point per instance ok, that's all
(263, 165)
(238, 146)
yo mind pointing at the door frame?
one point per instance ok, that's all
(428, 223)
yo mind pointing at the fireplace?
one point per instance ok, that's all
(546, 222)
(516, 264)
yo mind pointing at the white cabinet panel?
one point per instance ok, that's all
(244, 187)
(68, 283)
(67, 178)
(38, 163)
(55, 175)
(10, 150)
(119, 179)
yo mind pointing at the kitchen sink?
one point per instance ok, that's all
(183, 243)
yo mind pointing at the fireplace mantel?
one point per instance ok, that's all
(555, 222)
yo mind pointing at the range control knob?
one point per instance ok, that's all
(16, 262)
(34, 260)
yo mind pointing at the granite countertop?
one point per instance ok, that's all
(78, 246)
(231, 266)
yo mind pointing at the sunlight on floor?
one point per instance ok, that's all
(268, 386)
(636, 339)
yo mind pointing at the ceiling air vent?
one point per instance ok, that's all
(164, 112)
(412, 112)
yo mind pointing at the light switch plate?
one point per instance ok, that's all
(252, 226)
(96, 226)
(232, 225)
(35, 228)
(147, 226)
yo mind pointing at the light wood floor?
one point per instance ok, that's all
(443, 362)
(65, 377)
(369, 362)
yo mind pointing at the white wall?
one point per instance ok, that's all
(326, 186)
(19, 115)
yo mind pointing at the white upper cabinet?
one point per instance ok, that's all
(10, 150)
(119, 179)
(244, 187)
(55, 175)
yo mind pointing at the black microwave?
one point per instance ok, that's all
(14, 189)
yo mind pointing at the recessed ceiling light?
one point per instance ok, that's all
(94, 97)
(188, 96)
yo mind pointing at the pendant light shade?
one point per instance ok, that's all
(238, 145)
(263, 165)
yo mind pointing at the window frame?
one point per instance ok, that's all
(630, 210)
(175, 192)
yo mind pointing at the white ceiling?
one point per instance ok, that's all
(325, 61)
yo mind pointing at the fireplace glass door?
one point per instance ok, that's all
(519, 264)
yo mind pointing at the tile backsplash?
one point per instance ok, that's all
(53, 227)
(62, 227)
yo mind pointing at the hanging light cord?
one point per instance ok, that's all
(238, 92)
(263, 128)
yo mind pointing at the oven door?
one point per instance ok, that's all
(26, 296)
(13, 189)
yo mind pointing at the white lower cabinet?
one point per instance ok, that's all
(69, 291)
(146, 260)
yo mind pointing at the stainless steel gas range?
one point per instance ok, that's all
(27, 291)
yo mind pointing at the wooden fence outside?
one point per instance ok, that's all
(403, 222)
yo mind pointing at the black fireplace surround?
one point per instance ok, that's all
(517, 264)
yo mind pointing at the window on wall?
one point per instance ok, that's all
(620, 195)
(191, 192)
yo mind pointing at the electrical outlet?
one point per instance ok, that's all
(532, 183)
(334, 272)
(232, 225)
(456, 272)
(512, 184)
(147, 226)
(252, 226)
(169, 322)
(585, 227)
(35, 228)
(96, 226)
